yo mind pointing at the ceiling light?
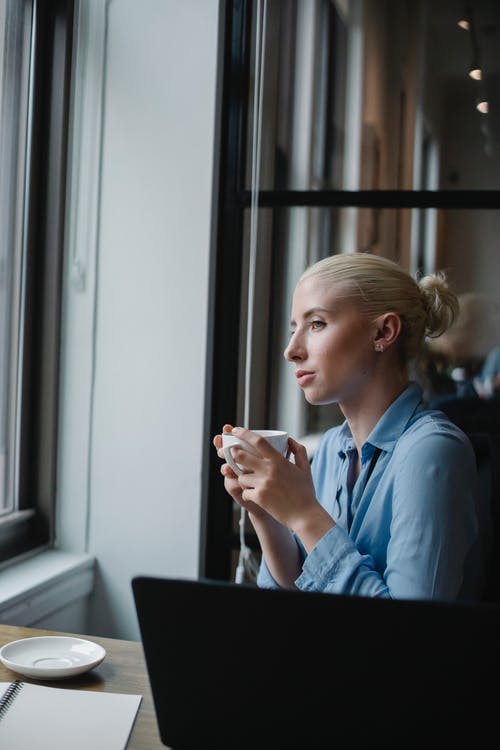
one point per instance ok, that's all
(464, 24)
(482, 107)
(475, 72)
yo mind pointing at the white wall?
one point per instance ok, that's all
(136, 295)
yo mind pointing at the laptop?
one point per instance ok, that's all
(235, 667)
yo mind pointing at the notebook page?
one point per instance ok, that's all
(51, 718)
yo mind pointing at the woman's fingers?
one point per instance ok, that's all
(217, 440)
(227, 472)
(258, 442)
(299, 452)
(265, 450)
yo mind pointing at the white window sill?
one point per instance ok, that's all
(44, 583)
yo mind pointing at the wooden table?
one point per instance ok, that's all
(122, 671)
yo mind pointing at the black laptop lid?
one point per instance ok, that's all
(236, 667)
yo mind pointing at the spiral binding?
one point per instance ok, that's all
(9, 697)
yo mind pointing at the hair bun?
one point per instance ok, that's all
(440, 303)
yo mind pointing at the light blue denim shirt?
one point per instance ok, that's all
(412, 531)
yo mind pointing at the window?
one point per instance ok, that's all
(362, 120)
(15, 29)
(35, 56)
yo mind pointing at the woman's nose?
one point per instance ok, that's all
(294, 350)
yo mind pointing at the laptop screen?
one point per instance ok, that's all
(236, 667)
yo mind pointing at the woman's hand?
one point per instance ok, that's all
(271, 482)
(231, 480)
(274, 488)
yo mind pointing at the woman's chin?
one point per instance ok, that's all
(316, 400)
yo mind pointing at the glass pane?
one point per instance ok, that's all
(15, 33)
(374, 94)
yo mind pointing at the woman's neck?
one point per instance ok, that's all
(363, 415)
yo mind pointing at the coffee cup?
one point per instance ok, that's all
(277, 438)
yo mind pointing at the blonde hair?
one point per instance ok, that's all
(427, 307)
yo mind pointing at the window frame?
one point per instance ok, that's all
(31, 526)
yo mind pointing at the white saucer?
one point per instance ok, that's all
(51, 657)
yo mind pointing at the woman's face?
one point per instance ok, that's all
(331, 346)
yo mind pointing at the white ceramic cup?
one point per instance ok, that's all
(277, 438)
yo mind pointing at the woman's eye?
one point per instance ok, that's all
(317, 324)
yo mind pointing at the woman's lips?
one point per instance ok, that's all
(304, 377)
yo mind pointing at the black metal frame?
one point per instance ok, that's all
(376, 198)
(227, 234)
(42, 314)
(218, 541)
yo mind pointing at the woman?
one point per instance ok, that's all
(388, 507)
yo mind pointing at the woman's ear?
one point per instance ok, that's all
(387, 329)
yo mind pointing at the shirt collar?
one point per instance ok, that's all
(390, 426)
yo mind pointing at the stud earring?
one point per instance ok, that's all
(379, 347)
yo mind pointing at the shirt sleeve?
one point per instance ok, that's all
(265, 579)
(428, 521)
(435, 521)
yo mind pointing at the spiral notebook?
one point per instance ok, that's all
(51, 718)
